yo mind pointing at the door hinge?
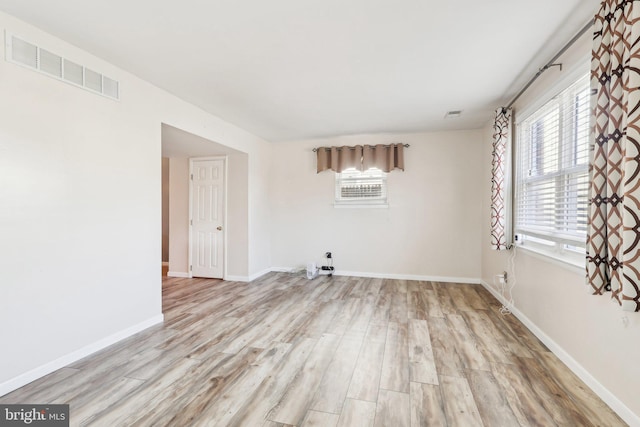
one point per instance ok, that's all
(191, 222)
(191, 177)
(191, 268)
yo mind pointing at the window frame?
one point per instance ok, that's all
(553, 244)
(355, 177)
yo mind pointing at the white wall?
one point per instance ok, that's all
(431, 228)
(585, 330)
(80, 208)
(165, 209)
(179, 216)
(238, 218)
(260, 213)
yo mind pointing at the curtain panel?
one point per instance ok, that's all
(383, 157)
(499, 162)
(613, 233)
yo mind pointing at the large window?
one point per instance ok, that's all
(552, 173)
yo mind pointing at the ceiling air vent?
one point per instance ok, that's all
(453, 114)
(19, 51)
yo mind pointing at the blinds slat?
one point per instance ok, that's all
(551, 172)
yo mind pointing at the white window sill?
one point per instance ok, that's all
(360, 206)
(572, 263)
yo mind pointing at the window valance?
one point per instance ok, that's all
(361, 157)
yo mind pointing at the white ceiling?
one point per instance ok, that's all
(299, 69)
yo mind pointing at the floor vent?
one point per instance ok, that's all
(21, 52)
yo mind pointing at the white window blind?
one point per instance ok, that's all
(360, 188)
(552, 171)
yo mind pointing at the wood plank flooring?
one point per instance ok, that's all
(341, 351)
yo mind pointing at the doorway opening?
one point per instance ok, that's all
(179, 148)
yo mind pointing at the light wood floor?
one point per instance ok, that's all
(284, 350)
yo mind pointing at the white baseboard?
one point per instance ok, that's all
(469, 280)
(282, 269)
(609, 398)
(177, 274)
(259, 274)
(448, 279)
(61, 362)
(232, 278)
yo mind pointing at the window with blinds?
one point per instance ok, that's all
(354, 187)
(552, 172)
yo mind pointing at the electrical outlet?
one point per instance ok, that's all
(502, 277)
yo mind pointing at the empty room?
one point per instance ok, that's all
(320, 213)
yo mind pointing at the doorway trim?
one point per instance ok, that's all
(224, 213)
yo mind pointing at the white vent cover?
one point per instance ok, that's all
(29, 55)
(93, 80)
(50, 63)
(24, 53)
(73, 73)
(110, 87)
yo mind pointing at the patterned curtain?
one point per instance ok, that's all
(613, 240)
(501, 142)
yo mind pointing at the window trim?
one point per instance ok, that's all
(569, 262)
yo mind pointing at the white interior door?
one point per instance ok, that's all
(207, 218)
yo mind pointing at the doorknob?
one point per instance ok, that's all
(219, 228)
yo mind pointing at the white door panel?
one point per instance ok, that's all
(207, 222)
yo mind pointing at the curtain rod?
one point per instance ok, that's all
(351, 148)
(552, 62)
